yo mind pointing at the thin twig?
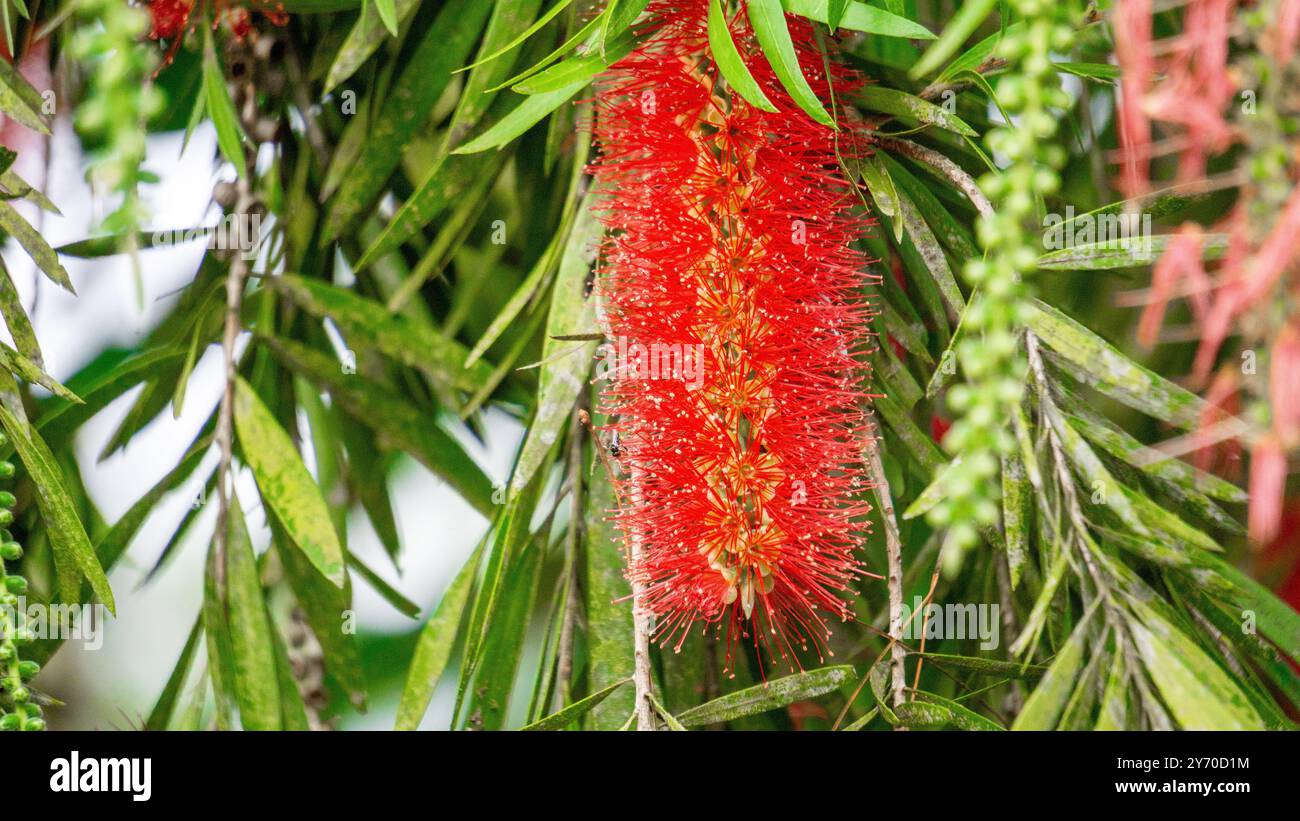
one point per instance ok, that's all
(894, 552)
(225, 416)
(949, 169)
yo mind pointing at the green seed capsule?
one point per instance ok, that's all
(34, 725)
(7, 499)
(16, 585)
(7, 470)
(28, 669)
(11, 721)
(11, 551)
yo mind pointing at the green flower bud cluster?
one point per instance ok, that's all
(17, 711)
(988, 351)
(118, 102)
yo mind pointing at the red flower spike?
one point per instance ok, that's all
(739, 307)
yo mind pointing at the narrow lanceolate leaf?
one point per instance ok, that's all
(19, 100)
(433, 650)
(13, 224)
(902, 104)
(537, 25)
(251, 642)
(930, 710)
(1097, 363)
(366, 36)
(609, 615)
(566, 363)
(59, 512)
(475, 98)
(729, 61)
(958, 29)
(1045, 705)
(768, 19)
(860, 17)
(29, 371)
(398, 423)
(16, 319)
(927, 245)
(835, 10)
(773, 695)
(366, 322)
(563, 718)
(161, 715)
(388, 14)
(1136, 251)
(285, 484)
(1197, 691)
(230, 136)
(525, 115)
(425, 73)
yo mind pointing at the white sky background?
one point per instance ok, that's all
(116, 685)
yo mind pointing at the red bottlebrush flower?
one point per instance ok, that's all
(1182, 259)
(170, 17)
(729, 255)
(1267, 488)
(1284, 384)
(1132, 29)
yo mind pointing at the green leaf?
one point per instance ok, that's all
(19, 100)
(256, 688)
(113, 544)
(565, 364)
(1102, 72)
(503, 645)
(447, 181)
(986, 666)
(1098, 364)
(425, 73)
(1197, 691)
(369, 323)
(476, 98)
(768, 20)
(1135, 251)
(13, 224)
(165, 706)
(773, 695)
(433, 650)
(388, 13)
(230, 136)
(400, 425)
(609, 615)
(385, 590)
(364, 38)
(861, 17)
(21, 366)
(66, 534)
(285, 484)
(522, 36)
(902, 104)
(221, 663)
(1108, 436)
(16, 319)
(563, 718)
(835, 10)
(1044, 706)
(1114, 701)
(959, 28)
(729, 61)
(936, 711)
(583, 67)
(524, 116)
(327, 608)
